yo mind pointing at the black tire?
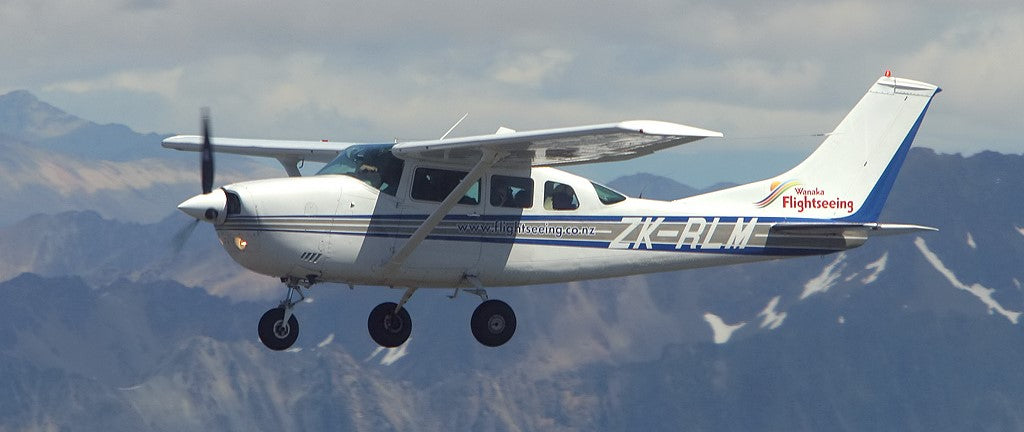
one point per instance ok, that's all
(274, 334)
(493, 323)
(388, 329)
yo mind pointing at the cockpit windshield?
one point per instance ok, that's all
(372, 163)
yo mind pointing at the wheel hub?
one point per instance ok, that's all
(393, 323)
(281, 329)
(496, 324)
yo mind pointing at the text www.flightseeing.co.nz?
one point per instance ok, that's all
(513, 228)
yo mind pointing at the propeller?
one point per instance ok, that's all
(209, 205)
(206, 178)
(206, 153)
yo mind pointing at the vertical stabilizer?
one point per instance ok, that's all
(850, 175)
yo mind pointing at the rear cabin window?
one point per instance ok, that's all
(511, 192)
(433, 184)
(560, 196)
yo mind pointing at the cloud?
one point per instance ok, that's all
(161, 82)
(381, 70)
(972, 61)
(531, 69)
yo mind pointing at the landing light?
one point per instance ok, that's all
(240, 243)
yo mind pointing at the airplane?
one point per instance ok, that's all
(480, 212)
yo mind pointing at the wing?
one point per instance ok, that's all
(549, 147)
(289, 153)
(552, 147)
(316, 151)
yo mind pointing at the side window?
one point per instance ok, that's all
(559, 196)
(606, 195)
(511, 192)
(432, 184)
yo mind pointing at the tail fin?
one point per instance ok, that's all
(850, 175)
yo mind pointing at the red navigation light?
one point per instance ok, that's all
(888, 73)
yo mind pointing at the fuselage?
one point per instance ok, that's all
(515, 227)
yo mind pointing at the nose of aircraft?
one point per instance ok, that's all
(208, 207)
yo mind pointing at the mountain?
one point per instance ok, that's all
(25, 118)
(650, 186)
(914, 332)
(109, 329)
(52, 161)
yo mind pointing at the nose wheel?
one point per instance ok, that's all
(493, 323)
(278, 328)
(277, 333)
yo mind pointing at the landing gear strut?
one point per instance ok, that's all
(278, 328)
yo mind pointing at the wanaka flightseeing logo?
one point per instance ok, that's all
(802, 198)
(778, 188)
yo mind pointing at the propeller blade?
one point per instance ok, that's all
(207, 154)
(182, 236)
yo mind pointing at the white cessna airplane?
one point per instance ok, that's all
(489, 211)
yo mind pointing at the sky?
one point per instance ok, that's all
(769, 76)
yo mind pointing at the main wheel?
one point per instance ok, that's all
(275, 333)
(493, 323)
(386, 327)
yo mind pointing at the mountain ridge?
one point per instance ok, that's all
(53, 161)
(108, 329)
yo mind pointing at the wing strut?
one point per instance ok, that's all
(487, 160)
(291, 165)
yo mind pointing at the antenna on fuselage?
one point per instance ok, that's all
(454, 126)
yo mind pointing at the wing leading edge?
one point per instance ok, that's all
(316, 151)
(564, 146)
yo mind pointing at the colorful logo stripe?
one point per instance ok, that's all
(777, 190)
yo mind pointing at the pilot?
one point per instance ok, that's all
(390, 173)
(562, 198)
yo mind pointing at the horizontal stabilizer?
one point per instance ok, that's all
(882, 229)
(832, 236)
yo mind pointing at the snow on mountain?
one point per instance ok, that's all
(721, 331)
(391, 355)
(981, 292)
(828, 277)
(772, 318)
(876, 267)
